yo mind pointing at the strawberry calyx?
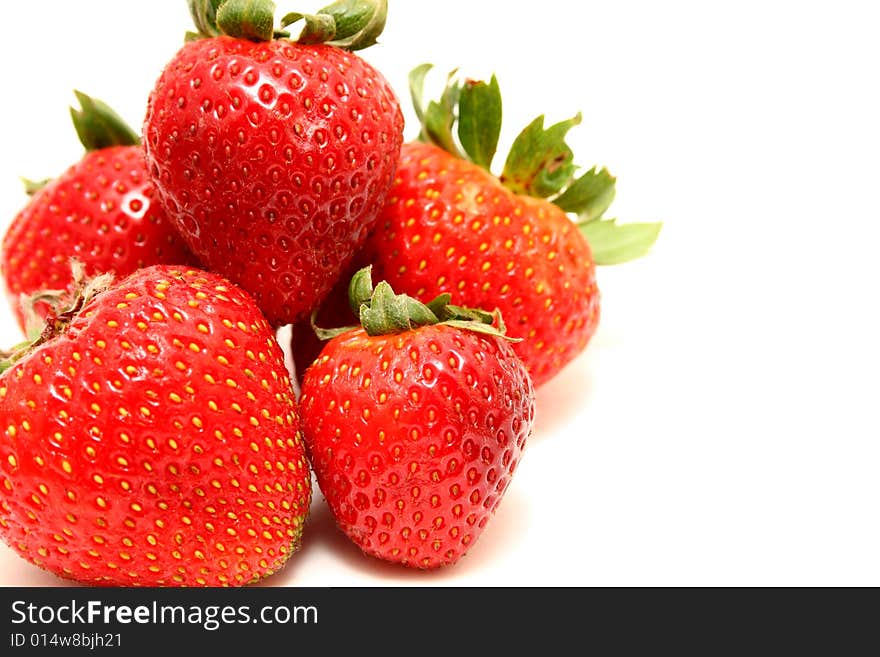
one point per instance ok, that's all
(466, 122)
(9, 357)
(382, 312)
(98, 126)
(348, 24)
(31, 187)
(64, 307)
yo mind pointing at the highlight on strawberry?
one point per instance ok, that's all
(273, 155)
(151, 437)
(415, 422)
(101, 211)
(507, 240)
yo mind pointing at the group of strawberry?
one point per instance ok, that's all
(150, 431)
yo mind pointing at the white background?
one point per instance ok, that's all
(722, 427)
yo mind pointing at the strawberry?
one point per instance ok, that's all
(274, 157)
(415, 424)
(101, 211)
(450, 225)
(151, 437)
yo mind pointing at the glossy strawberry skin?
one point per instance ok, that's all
(101, 211)
(274, 160)
(156, 442)
(414, 437)
(449, 226)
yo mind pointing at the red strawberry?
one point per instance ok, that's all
(151, 437)
(450, 225)
(100, 211)
(273, 157)
(415, 424)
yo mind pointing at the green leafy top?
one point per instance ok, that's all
(466, 122)
(349, 24)
(383, 312)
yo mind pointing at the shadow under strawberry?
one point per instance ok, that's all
(321, 533)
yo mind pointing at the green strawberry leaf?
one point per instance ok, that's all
(98, 126)
(439, 303)
(328, 334)
(247, 19)
(204, 15)
(614, 243)
(540, 163)
(8, 357)
(450, 313)
(358, 22)
(388, 312)
(417, 89)
(360, 289)
(348, 24)
(589, 196)
(479, 120)
(479, 327)
(440, 118)
(318, 28)
(31, 187)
